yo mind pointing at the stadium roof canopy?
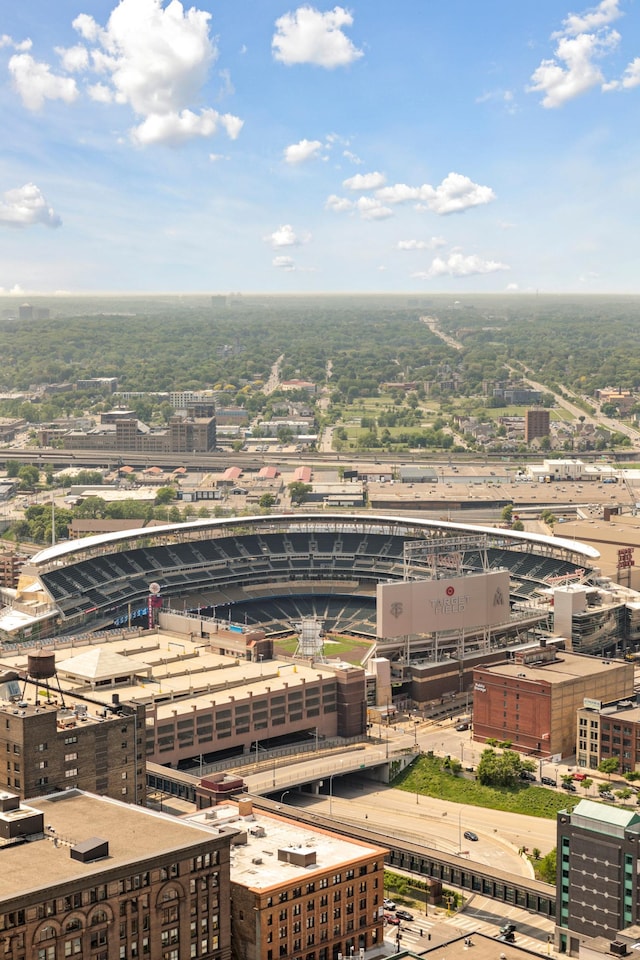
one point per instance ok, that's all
(72, 551)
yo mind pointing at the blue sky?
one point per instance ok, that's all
(255, 145)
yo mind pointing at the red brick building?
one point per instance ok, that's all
(533, 699)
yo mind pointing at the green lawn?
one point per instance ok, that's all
(425, 776)
(348, 648)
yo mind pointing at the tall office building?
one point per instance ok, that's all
(536, 424)
(598, 892)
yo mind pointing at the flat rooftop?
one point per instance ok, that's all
(133, 833)
(566, 667)
(482, 948)
(183, 672)
(256, 864)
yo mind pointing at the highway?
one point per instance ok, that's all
(438, 824)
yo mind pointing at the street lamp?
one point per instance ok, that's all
(283, 795)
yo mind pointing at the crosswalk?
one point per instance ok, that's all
(418, 934)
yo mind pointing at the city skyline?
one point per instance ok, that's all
(313, 148)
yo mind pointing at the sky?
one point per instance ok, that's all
(420, 146)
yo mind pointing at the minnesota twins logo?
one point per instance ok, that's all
(396, 610)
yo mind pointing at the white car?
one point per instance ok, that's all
(388, 904)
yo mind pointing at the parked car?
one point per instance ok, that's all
(462, 726)
(567, 785)
(528, 776)
(580, 776)
(548, 781)
(388, 904)
(470, 835)
(404, 915)
(607, 795)
(392, 918)
(507, 928)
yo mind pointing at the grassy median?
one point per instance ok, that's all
(426, 776)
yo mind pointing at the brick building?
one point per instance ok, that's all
(298, 893)
(219, 699)
(536, 424)
(533, 699)
(609, 730)
(106, 880)
(51, 746)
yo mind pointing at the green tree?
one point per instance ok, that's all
(624, 794)
(165, 495)
(266, 501)
(507, 513)
(499, 769)
(609, 765)
(298, 491)
(29, 477)
(91, 508)
(547, 867)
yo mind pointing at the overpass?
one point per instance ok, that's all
(423, 862)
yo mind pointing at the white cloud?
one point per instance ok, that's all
(364, 181)
(431, 244)
(86, 26)
(73, 59)
(156, 60)
(283, 263)
(309, 36)
(100, 93)
(15, 291)
(455, 194)
(457, 265)
(285, 236)
(301, 151)
(339, 204)
(353, 157)
(400, 193)
(584, 39)
(512, 288)
(630, 78)
(227, 88)
(605, 13)
(176, 128)
(21, 46)
(370, 208)
(576, 73)
(35, 83)
(26, 206)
